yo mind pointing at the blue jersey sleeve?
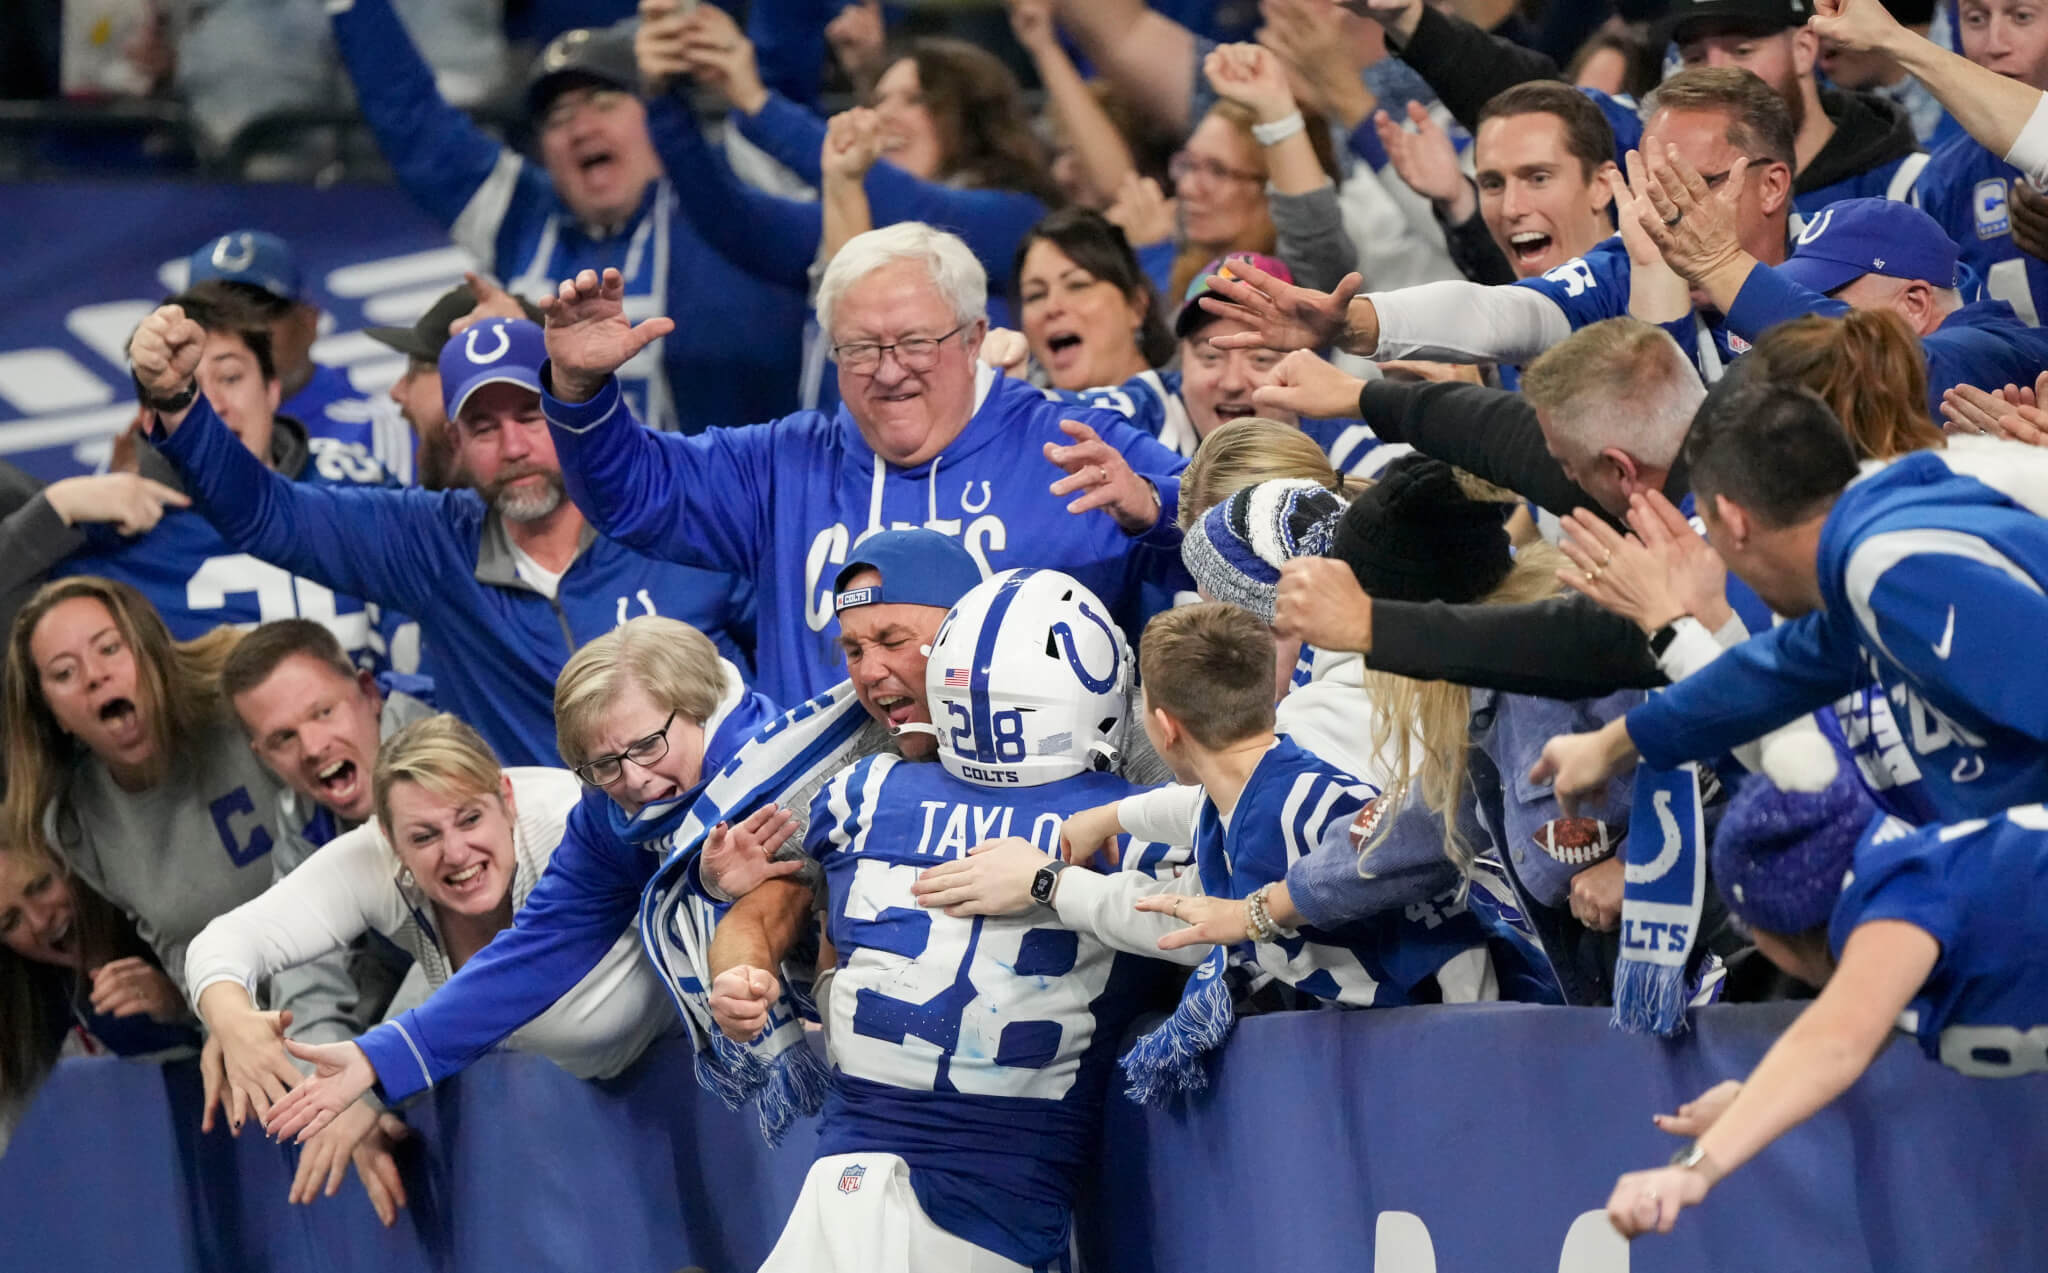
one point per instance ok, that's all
(1768, 298)
(1771, 678)
(789, 45)
(437, 153)
(388, 546)
(1951, 614)
(992, 222)
(1587, 288)
(589, 894)
(703, 500)
(771, 237)
(1898, 877)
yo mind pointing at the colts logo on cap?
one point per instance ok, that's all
(1816, 227)
(856, 597)
(234, 251)
(504, 344)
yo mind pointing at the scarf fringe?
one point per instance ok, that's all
(1649, 998)
(796, 1086)
(1174, 1057)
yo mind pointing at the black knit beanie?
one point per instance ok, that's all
(1416, 536)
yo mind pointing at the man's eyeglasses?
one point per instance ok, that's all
(1184, 165)
(919, 353)
(603, 771)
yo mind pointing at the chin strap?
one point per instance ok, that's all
(1102, 757)
(914, 727)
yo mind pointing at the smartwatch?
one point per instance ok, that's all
(1047, 879)
(1661, 639)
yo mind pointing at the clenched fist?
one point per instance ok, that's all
(165, 351)
(741, 998)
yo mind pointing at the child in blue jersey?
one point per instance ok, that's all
(1913, 581)
(970, 1055)
(1937, 932)
(921, 438)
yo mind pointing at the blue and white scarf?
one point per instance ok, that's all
(1664, 889)
(791, 755)
(1174, 1056)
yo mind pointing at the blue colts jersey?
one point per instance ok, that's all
(350, 431)
(1968, 189)
(1291, 801)
(1980, 888)
(977, 1049)
(1594, 287)
(198, 581)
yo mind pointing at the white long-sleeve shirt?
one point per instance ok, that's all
(351, 886)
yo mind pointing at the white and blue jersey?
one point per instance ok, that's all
(1966, 188)
(444, 558)
(351, 430)
(736, 353)
(1151, 400)
(1289, 804)
(783, 503)
(1979, 888)
(976, 1049)
(1930, 580)
(198, 581)
(1594, 287)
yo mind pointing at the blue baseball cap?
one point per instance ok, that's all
(918, 568)
(249, 256)
(497, 351)
(1844, 241)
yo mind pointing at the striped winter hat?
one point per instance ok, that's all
(1235, 552)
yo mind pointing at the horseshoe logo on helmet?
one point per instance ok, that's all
(1064, 634)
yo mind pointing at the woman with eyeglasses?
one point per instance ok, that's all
(453, 870)
(1258, 174)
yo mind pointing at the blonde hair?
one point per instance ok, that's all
(1620, 382)
(1434, 718)
(177, 690)
(1246, 452)
(673, 663)
(442, 754)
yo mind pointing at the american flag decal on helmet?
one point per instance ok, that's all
(956, 677)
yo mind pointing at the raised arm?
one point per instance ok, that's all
(1148, 56)
(444, 161)
(1100, 150)
(1463, 63)
(703, 500)
(853, 142)
(1997, 111)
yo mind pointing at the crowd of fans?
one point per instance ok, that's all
(1352, 511)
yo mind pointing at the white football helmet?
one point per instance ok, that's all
(1028, 681)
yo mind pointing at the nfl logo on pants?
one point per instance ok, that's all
(849, 1180)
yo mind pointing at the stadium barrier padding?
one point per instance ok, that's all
(1460, 1140)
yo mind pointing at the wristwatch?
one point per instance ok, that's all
(1047, 879)
(166, 406)
(1661, 639)
(1694, 1158)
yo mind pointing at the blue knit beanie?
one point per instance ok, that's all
(1781, 857)
(1236, 550)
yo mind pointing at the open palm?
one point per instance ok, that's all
(588, 334)
(341, 1073)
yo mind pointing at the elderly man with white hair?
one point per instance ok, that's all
(925, 436)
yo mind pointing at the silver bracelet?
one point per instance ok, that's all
(1279, 130)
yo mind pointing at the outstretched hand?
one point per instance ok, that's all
(1695, 225)
(1579, 766)
(1211, 921)
(1427, 161)
(993, 879)
(1281, 315)
(1305, 384)
(1862, 25)
(739, 859)
(589, 336)
(492, 301)
(1098, 473)
(341, 1074)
